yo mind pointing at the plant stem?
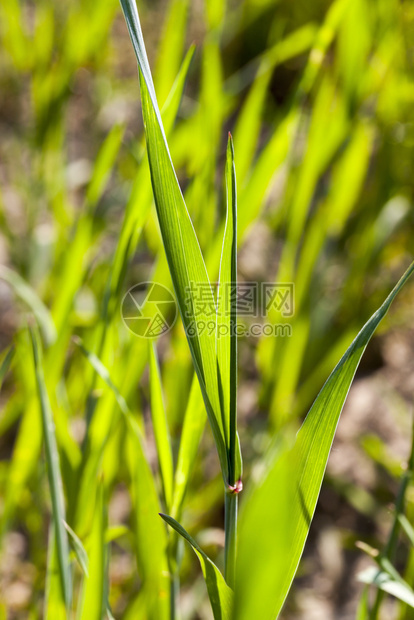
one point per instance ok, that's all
(230, 527)
(174, 589)
(173, 555)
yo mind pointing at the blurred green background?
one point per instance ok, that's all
(319, 98)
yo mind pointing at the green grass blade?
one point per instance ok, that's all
(160, 425)
(247, 131)
(54, 603)
(363, 606)
(221, 596)
(226, 339)
(193, 427)
(150, 535)
(271, 158)
(171, 106)
(53, 470)
(93, 603)
(103, 372)
(303, 468)
(323, 42)
(183, 253)
(186, 267)
(134, 28)
(171, 47)
(79, 550)
(248, 126)
(30, 297)
(5, 364)
(28, 442)
(14, 38)
(407, 527)
(104, 423)
(104, 164)
(139, 203)
(72, 271)
(115, 531)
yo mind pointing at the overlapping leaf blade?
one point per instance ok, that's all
(226, 338)
(78, 549)
(187, 267)
(186, 264)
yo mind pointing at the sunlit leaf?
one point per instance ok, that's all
(226, 339)
(285, 497)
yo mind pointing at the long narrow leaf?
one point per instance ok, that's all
(171, 46)
(183, 253)
(221, 596)
(186, 266)
(93, 602)
(194, 423)
(151, 537)
(103, 372)
(161, 432)
(226, 339)
(140, 200)
(260, 565)
(79, 550)
(104, 164)
(407, 527)
(150, 534)
(53, 470)
(54, 603)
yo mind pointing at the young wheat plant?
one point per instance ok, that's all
(262, 552)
